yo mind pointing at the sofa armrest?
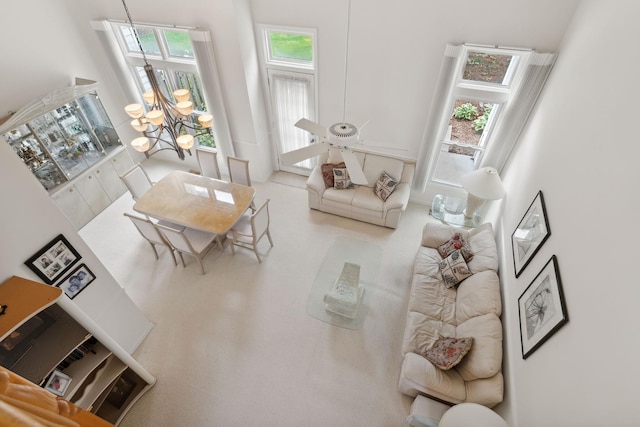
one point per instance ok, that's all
(315, 181)
(418, 375)
(399, 198)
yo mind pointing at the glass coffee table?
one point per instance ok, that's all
(367, 257)
(449, 209)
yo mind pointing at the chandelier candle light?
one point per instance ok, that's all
(165, 121)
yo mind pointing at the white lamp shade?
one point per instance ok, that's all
(134, 110)
(484, 183)
(140, 144)
(181, 95)
(206, 120)
(155, 116)
(149, 96)
(185, 141)
(185, 107)
(139, 124)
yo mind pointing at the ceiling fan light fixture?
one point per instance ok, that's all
(343, 132)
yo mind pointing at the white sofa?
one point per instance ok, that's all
(471, 310)
(360, 202)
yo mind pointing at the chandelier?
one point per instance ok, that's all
(166, 125)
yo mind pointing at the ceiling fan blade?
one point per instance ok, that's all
(304, 153)
(312, 127)
(353, 167)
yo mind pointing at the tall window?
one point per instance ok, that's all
(482, 101)
(171, 53)
(289, 56)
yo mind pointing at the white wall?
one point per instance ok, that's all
(580, 149)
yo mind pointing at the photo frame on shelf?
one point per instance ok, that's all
(120, 392)
(542, 309)
(53, 260)
(58, 383)
(76, 281)
(530, 234)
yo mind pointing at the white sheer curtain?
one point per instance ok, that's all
(515, 118)
(437, 117)
(291, 101)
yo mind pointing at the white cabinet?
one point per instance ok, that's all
(42, 333)
(89, 194)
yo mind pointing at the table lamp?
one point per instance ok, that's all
(482, 184)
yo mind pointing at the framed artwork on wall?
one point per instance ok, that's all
(541, 308)
(77, 281)
(530, 234)
(53, 260)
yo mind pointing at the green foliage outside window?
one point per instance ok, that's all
(291, 46)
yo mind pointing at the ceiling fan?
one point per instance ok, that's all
(339, 135)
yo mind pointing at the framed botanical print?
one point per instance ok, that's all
(531, 233)
(53, 260)
(542, 308)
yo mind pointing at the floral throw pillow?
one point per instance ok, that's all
(327, 172)
(341, 179)
(456, 243)
(384, 186)
(454, 270)
(447, 352)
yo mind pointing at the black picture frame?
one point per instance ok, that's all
(53, 260)
(542, 309)
(530, 234)
(76, 281)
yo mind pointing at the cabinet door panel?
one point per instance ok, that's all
(110, 181)
(92, 192)
(121, 162)
(74, 207)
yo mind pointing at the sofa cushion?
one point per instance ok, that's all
(447, 352)
(435, 234)
(342, 197)
(422, 331)
(374, 165)
(454, 269)
(483, 246)
(341, 180)
(366, 201)
(485, 358)
(456, 243)
(384, 186)
(479, 294)
(327, 172)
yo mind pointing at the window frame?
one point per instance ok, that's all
(288, 65)
(497, 94)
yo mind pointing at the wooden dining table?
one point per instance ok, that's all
(196, 201)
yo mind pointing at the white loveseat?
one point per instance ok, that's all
(360, 202)
(471, 310)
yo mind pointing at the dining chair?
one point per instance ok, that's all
(190, 241)
(249, 229)
(150, 232)
(208, 162)
(137, 181)
(239, 174)
(239, 171)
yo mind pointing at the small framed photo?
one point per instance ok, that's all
(58, 383)
(53, 260)
(77, 281)
(542, 308)
(531, 233)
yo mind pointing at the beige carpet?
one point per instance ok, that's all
(235, 347)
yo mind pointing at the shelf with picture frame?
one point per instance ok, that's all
(42, 345)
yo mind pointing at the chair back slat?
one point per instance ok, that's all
(208, 162)
(137, 181)
(260, 220)
(239, 171)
